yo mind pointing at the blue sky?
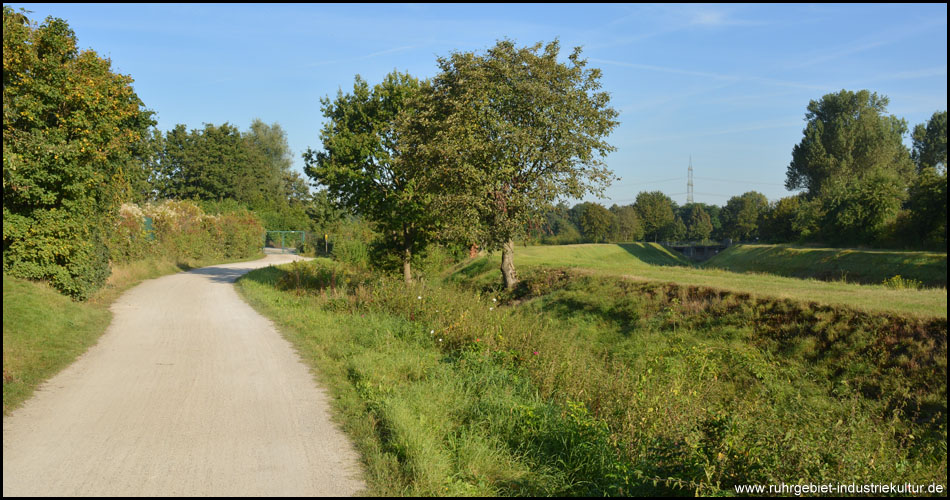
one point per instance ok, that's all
(725, 84)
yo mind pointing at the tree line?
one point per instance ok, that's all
(78, 143)
(864, 188)
(480, 155)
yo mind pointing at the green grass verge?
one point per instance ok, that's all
(615, 260)
(593, 385)
(44, 331)
(834, 264)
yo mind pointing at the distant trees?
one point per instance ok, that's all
(740, 217)
(627, 225)
(929, 149)
(656, 213)
(925, 219)
(596, 222)
(698, 223)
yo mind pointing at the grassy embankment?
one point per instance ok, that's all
(588, 384)
(837, 264)
(44, 331)
(651, 262)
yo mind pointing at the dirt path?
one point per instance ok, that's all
(188, 392)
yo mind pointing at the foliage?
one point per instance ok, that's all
(183, 232)
(926, 222)
(698, 223)
(930, 143)
(656, 212)
(848, 136)
(602, 386)
(857, 211)
(514, 130)
(777, 223)
(899, 283)
(72, 130)
(741, 215)
(627, 226)
(596, 221)
(366, 166)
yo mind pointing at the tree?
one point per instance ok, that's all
(674, 231)
(595, 222)
(627, 226)
(72, 132)
(930, 143)
(848, 137)
(857, 212)
(741, 215)
(927, 206)
(516, 130)
(927, 196)
(656, 212)
(698, 224)
(368, 165)
(778, 223)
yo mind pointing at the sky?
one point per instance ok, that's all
(723, 86)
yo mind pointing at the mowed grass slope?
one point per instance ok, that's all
(852, 265)
(650, 262)
(43, 331)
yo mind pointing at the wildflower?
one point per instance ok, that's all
(419, 297)
(440, 340)
(491, 308)
(535, 353)
(476, 340)
(493, 300)
(431, 331)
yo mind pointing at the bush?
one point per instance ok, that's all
(56, 246)
(181, 230)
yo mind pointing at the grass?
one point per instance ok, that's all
(44, 331)
(584, 384)
(642, 264)
(852, 265)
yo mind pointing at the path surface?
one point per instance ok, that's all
(188, 392)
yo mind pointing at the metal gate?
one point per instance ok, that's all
(283, 241)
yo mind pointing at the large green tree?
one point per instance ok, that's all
(656, 212)
(742, 214)
(627, 226)
(930, 143)
(926, 204)
(853, 167)
(516, 129)
(698, 223)
(848, 136)
(367, 164)
(73, 133)
(596, 222)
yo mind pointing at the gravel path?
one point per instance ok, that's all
(188, 392)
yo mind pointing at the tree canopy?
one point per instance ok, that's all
(73, 131)
(848, 136)
(366, 164)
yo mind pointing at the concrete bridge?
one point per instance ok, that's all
(698, 253)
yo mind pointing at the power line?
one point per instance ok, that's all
(740, 182)
(657, 182)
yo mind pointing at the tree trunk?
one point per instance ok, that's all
(406, 257)
(508, 264)
(407, 267)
